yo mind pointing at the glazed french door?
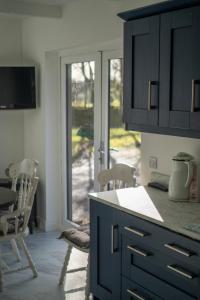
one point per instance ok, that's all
(94, 134)
(81, 111)
(121, 146)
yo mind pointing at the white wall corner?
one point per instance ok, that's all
(46, 225)
(52, 153)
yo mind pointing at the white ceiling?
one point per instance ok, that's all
(40, 8)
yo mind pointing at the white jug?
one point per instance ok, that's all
(181, 177)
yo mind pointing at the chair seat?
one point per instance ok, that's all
(78, 236)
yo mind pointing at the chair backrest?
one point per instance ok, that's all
(17, 221)
(22, 174)
(120, 176)
(26, 198)
(28, 167)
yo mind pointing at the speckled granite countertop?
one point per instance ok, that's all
(154, 206)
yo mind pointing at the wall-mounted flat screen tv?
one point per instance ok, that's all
(17, 87)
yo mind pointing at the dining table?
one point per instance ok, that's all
(7, 198)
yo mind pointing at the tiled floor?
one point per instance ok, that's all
(48, 254)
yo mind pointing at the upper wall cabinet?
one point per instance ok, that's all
(141, 66)
(180, 69)
(162, 68)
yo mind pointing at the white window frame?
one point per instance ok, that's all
(97, 108)
(69, 56)
(106, 57)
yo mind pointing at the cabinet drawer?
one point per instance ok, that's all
(162, 239)
(182, 275)
(145, 286)
(132, 290)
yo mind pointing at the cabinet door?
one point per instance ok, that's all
(141, 69)
(104, 253)
(180, 69)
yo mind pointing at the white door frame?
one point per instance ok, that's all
(94, 56)
(106, 56)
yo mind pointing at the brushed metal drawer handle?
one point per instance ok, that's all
(135, 231)
(194, 83)
(113, 228)
(149, 95)
(178, 249)
(193, 95)
(181, 271)
(135, 294)
(138, 251)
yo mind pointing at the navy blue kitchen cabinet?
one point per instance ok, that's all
(132, 258)
(141, 70)
(104, 253)
(162, 68)
(180, 69)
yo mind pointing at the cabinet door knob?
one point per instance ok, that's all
(135, 294)
(181, 271)
(179, 249)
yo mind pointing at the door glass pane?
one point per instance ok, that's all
(82, 138)
(124, 146)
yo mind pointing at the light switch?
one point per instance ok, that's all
(153, 162)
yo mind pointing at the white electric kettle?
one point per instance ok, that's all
(181, 177)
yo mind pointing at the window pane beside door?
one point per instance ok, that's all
(82, 141)
(124, 146)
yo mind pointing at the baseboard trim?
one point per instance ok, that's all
(47, 226)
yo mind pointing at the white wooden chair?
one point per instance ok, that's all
(13, 224)
(120, 176)
(27, 165)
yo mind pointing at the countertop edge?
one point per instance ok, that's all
(187, 233)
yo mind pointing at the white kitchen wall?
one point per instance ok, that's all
(11, 122)
(83, 23)
(164, 148)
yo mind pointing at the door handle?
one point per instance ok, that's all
(138, 251)
(178, 249)
(135, 294)
(136, 232)
(194, 82)
(114, 228)
(193, 95)
(150, 83)
(181, 271)
(101, 152)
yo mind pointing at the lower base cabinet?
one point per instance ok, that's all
(132, 258)
(105, 258)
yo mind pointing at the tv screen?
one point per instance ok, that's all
(17, 87)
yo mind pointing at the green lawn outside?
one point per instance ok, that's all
(119, 138)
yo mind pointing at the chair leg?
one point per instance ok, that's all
(65, 265)
(29, 258)
(3, 264)
(87, 288)
(15, 249)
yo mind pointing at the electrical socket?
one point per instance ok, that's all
(153, 162)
